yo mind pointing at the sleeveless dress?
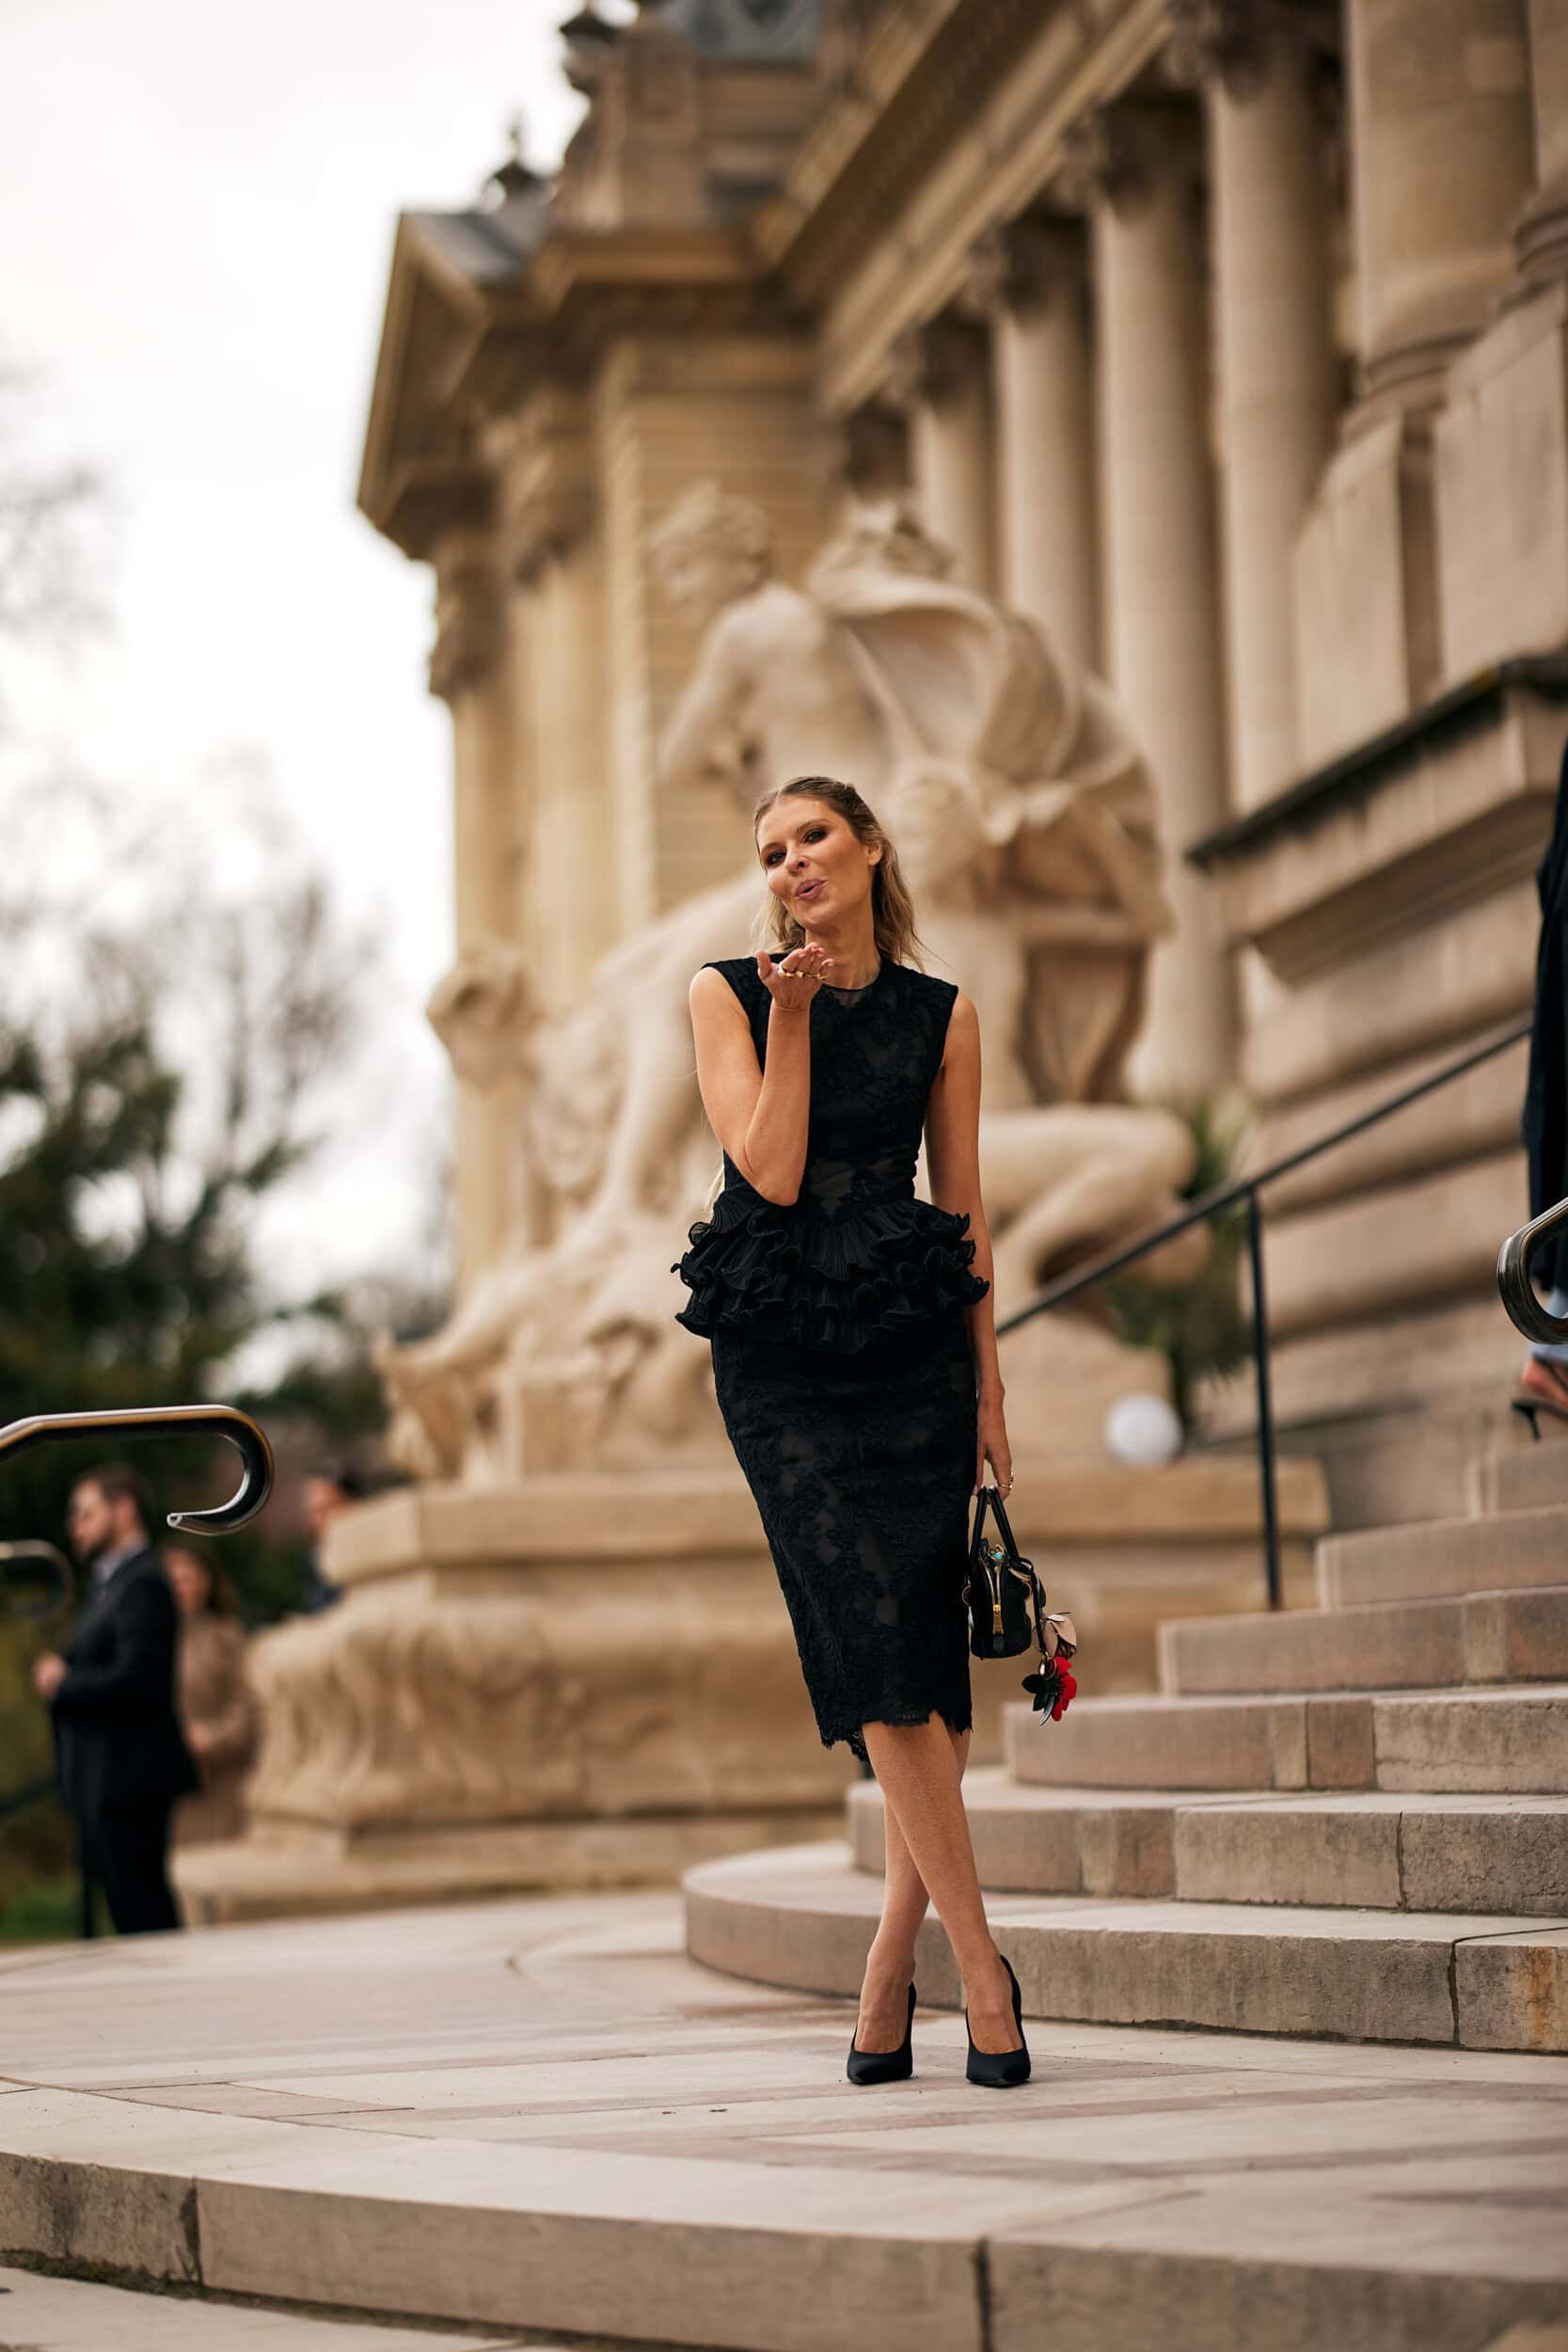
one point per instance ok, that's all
(843, 1366)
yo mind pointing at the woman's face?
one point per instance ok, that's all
(815, 863)
(189, 1578)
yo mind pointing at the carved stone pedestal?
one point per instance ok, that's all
(588, 1681)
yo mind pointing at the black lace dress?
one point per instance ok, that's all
(843, 1364)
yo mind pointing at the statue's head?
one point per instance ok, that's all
(883, 535)
(934, 807)
(711, 548)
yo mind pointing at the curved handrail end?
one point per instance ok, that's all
(1525, 1310)
(152, 1421)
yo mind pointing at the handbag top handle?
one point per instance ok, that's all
(991, 1495)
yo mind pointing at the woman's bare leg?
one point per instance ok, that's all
(889, 1963)
(919, 1773)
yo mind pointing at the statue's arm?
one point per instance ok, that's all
(1063, 923)
(704, 739)
(1072, 871)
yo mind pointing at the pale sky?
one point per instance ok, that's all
(196, 207)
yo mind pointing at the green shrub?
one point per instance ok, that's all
(1200, 1326)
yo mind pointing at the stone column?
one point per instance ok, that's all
(1274, 347)
(1028, 279)
(1443, 162)
(940, 375)
(1500, 442)
(1136, 171)
(569, 908)
(470, 669)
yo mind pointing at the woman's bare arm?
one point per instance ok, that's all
(953, 1164)
(760, 1115)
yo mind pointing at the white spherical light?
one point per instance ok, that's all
(1143, 1432)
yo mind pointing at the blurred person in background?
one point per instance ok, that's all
(326, 1493)
(216, 1706)
(121, 1755)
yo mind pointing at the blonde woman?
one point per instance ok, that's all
(854, 1355)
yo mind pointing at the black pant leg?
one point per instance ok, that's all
(90, 1871)
(131, 1850)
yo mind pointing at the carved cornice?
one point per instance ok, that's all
(461, 348)
(920, 76)
(1019, 264)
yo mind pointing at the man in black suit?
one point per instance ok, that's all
(122, 1754)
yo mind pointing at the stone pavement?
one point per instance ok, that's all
(544, 2117)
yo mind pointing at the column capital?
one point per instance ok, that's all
(470, 615)
(1233, 45)
(931, 364)
(1021, 266)
(868, 450)
(549, 498)
(1116, 155)
(545, 520)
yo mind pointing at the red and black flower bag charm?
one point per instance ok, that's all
(1007, 1614)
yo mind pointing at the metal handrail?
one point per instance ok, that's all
(1525, 1310)
(1248, 1189)
(167, 1420)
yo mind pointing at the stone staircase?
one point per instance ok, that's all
(1348, 1822)
(538, 2119)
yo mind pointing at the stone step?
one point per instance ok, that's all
(1513, 1739)
(804, 1918)
(1047, 1841)
(1441, 1556)
(1524, 1478)
(1417, 1852)
(1518, 1636)
(1386, 1853)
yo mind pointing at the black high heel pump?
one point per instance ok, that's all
(999, 2070)
(884, 2066)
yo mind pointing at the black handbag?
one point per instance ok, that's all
(1007, 1614)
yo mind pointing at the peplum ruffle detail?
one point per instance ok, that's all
(800, 1279)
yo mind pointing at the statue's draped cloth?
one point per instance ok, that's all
(1067, 804)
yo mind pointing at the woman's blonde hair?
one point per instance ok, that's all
(891, 908)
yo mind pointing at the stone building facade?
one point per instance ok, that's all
(1228, 339)
(1226, 342)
